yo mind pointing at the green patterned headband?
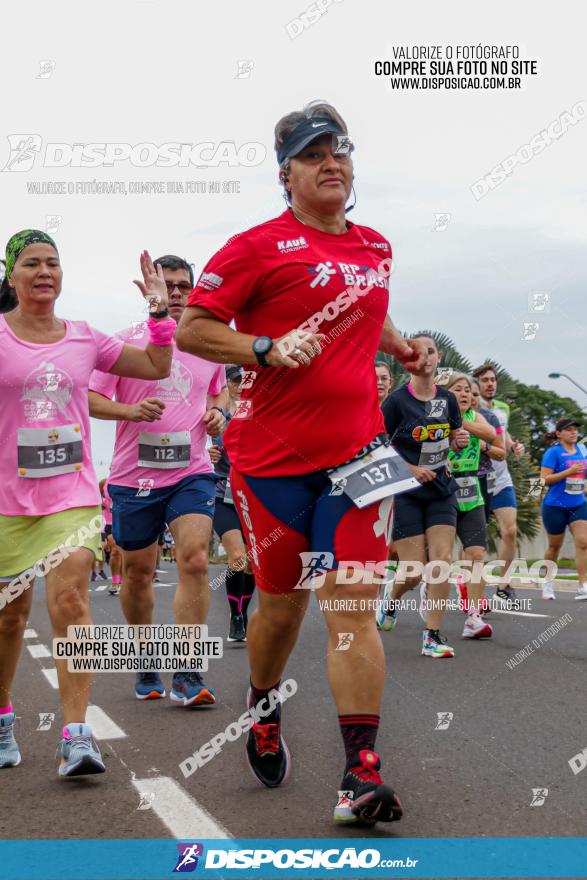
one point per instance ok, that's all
(22, 239)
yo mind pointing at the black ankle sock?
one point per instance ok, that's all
(249, 589)
(358, 732)
(235, 587)
(258, 694)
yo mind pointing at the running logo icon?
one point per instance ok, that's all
(444, 719)
(441, 222)
(539, 795)
(436, 409)
(23, 151)
(46, 719)
(46, 69)
(146, 800)
(322, 271)
(243, 410)
(539, 302)
(344, 641)
(145, 487)
(53, 222)
(187, 859)
(247, 379)
(314, 568)
(530, 330)
(338, 486)
(244, 69)
(344, 145)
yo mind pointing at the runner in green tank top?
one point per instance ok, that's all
(471, 522)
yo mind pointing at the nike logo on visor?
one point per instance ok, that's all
(318, 124)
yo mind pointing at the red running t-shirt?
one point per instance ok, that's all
(270, 280)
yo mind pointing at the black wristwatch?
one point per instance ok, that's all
(261, 347)
(162, 314)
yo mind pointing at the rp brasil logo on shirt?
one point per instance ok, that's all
(210, 281)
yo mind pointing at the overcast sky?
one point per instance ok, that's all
(151, 71)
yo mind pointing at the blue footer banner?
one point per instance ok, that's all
(266, 859)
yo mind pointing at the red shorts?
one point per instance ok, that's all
(294, 527)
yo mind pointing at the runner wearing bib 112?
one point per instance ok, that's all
(161, 474)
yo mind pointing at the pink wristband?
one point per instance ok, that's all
(161, 330)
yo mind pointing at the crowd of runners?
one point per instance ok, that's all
(223, 400)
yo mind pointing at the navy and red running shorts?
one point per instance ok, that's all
(284, 517)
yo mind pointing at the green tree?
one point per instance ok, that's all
(541, 410)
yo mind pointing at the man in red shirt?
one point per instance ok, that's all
(308, 293)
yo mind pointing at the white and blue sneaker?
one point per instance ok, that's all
(189, 689)
(386, 614)
(148, 686)
(9, 752)
(79, 752)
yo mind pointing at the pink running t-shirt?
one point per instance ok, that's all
(184, 394)
(45, 453)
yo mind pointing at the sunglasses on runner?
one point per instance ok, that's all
(182, 286)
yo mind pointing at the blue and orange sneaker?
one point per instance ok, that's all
(189, 689)
(80, 754)
(148, 686)
(363, 796)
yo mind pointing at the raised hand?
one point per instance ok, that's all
(153, 285)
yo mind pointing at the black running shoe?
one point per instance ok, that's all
(267, 754)
(237, 631)
(364, 797)
(507, 599)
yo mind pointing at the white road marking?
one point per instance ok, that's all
(100, 588)
(103, 727)
(183, 815)
(30, 634)
(38, 651)
(518, 613)
(51, 676)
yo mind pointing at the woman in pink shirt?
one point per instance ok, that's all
(50, 517)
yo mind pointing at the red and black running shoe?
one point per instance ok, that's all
(364, 797)
(267, 754)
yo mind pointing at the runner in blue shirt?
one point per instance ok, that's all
(564, 468)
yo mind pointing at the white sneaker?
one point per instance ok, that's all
(581, 592)
(476, 628)
(548, 590)
(423, 609)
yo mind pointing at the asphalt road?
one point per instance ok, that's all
(512, 730)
